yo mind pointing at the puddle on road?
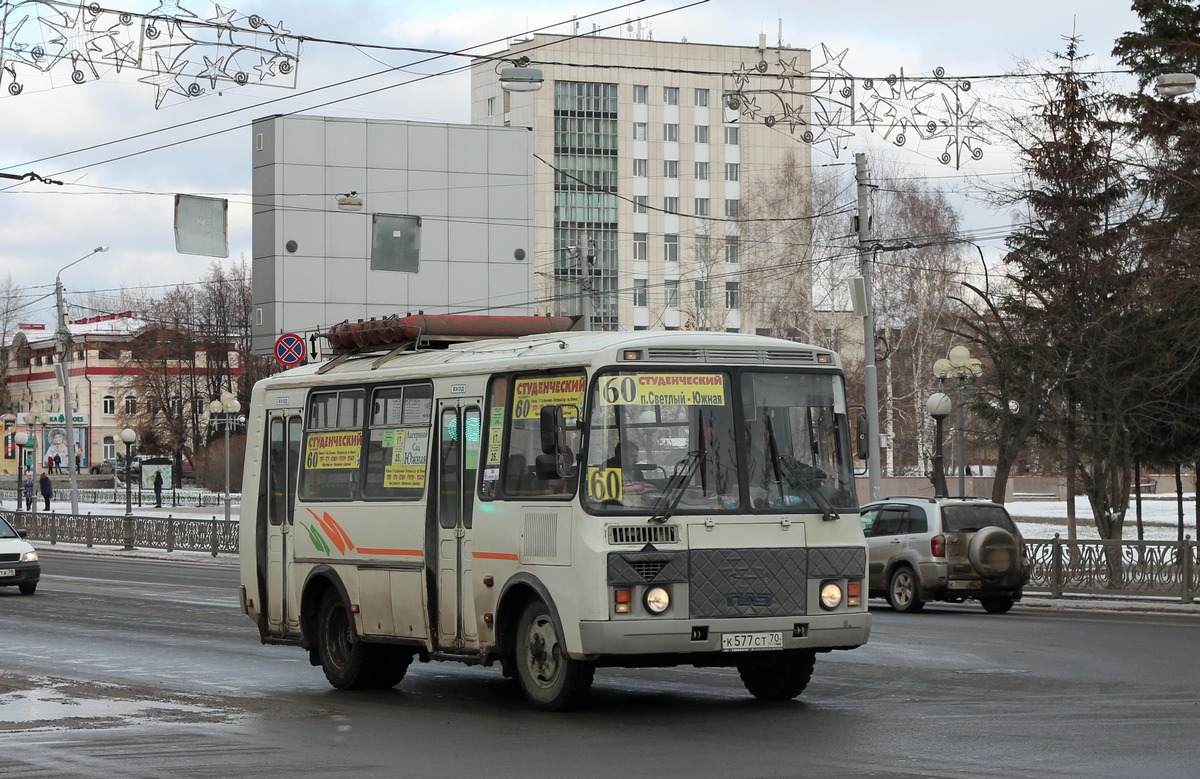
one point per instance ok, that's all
(40, 703)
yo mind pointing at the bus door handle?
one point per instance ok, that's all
(460, 532)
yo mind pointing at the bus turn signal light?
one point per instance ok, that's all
(622, 597)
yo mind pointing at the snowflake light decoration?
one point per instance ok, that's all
(183, 54)
(900, 109)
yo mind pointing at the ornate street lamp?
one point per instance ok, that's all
(962, 368)
(129, 438)
(938, 407)
(20, 439)
(226, 407)
(33, 418)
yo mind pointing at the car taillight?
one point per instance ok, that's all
(937, 545)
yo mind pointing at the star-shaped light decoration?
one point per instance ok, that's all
(171, 9)
(265, 68)
(223, 21)
(961, 131)
(77, 40)
(832, 68)
(788, 73)
(213, 70)
(122, 54)
(166, 80)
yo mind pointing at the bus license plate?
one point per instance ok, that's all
(743, 642)
(7, 572)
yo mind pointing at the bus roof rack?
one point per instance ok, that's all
(411, 331)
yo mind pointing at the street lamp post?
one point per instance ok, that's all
(33, 418)
(128, 437)
(20, 439)
(963, 368)
(64, 345)
(938, 407)
(226, 407)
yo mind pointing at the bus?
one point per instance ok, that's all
(553, 503)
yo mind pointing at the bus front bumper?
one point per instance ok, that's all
(687, 636)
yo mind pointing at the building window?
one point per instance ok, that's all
(639, 204)
(639, 131)
(639, 246)
(731, 136)
(640, 91)
(671, 205)
(670, 132)
(701, 206)
(671, 293)
(491, 104)
(639, 293)
(701, 133)
(732, 171)
(110, 405)
(731, 209)
(732, 248)
(109, 447)
(670, 169)
(671, 247)
(733, 295)
(640, 168)
(700, 298)
(701, 171)
(702, 98)
(131, 404)
(671, 95)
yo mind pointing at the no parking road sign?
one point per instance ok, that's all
(289, 350)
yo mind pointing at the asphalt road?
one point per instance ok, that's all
(143, 668)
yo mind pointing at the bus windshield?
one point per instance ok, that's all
(664, 441)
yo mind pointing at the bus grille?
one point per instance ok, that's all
(643, 534)
(763, 582)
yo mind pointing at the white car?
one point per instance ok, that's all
(19, 566)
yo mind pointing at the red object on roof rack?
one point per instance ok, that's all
(396, 330)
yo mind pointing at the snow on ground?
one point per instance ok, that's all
(1042, 519)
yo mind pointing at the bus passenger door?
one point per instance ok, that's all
(276, 520)
(460, 428)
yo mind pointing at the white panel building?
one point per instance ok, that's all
(358, 218)
(641, 166)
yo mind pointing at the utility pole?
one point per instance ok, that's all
(870, 379)
(64, 364)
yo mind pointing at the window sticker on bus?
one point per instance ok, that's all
(663, 389)
(605, 484)
(410, 446)
(495, 437)
(403, 477)
(332, 451)
(533, 394)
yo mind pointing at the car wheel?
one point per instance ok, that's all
(902, 592)
(994, 553)
(28, 588)
(997, 604)
(550, 680)
(777, 676)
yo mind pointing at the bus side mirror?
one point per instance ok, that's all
(552, 462)
(861, 439)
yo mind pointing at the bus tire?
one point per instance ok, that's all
(550, 680)
(348, 663)
(777, 676)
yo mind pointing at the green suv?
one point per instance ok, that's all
(944, 549)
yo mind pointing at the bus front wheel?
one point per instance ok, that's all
(777, 676)
(549, 679)
(349, 663)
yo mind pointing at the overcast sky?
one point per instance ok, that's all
(96, 136)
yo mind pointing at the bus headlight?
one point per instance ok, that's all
(831, 595)
(657, 600)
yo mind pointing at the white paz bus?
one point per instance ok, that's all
(555, 503)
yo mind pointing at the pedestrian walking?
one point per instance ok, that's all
(47, 489)
(158, 485)
(27, 489)
(58, 464)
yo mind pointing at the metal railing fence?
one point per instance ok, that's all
(1162, 569)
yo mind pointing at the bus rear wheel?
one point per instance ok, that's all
(777, 676)
(550, 680)
(352, 664)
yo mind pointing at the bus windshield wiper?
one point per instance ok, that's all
(673, 492)
(808, 478)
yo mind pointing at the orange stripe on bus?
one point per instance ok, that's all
(400, 552)
(494, 556)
